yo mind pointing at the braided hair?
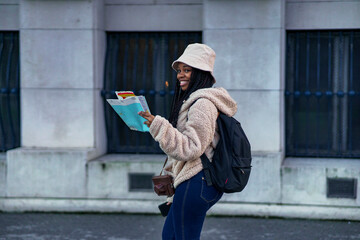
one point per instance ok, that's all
(198, 79)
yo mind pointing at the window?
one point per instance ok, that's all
(141, 62)
(322, 94)
(9, 91)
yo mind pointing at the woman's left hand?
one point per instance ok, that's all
(148, 117)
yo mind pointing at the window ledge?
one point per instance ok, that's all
(139, 158)
(322, 162)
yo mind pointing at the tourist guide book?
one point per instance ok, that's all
(127, 106)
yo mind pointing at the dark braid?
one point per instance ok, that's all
(199, 79)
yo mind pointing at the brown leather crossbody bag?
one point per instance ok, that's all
(163, 184)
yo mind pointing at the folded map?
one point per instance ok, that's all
(127, 107)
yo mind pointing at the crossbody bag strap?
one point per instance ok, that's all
(164, 166)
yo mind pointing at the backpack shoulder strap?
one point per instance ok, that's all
(206, 167)
(204, 159)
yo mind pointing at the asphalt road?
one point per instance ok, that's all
(54, 226)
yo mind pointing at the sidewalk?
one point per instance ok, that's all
(44, 226)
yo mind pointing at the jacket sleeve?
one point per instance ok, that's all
(197, 135)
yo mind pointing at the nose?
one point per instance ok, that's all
(180, 74)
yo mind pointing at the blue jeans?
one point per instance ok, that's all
(193, 198)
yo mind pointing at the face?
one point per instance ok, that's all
(183, 75)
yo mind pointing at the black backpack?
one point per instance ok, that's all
(230, 168)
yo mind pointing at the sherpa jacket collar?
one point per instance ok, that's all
(219, 96)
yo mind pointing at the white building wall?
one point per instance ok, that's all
(321, 14)
(247, 37)
(62, 52)
(151, 15)
(62, 46)
(9, 15)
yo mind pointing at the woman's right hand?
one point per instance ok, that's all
(148, 117)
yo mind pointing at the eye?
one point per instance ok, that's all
(178, 71)
(187, 70)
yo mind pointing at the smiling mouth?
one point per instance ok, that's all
(183, 82)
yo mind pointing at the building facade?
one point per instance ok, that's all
(291, 65)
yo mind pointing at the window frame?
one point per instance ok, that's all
(340, 95)
(158, 93)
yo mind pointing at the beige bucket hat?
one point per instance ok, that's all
(198, 56)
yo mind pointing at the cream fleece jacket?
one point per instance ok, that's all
(195, 132)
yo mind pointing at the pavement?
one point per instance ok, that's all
(58, 226)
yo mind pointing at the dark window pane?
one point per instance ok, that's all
(322, 93)
(9, 91)
(141, 62)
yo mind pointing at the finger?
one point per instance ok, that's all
(142, 115)
(146, 114)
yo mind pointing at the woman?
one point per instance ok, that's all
(189, 132)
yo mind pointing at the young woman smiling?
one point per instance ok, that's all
(183, 75)
(189, 132)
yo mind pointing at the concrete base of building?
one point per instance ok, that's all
(72, 180)
(150, 207)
